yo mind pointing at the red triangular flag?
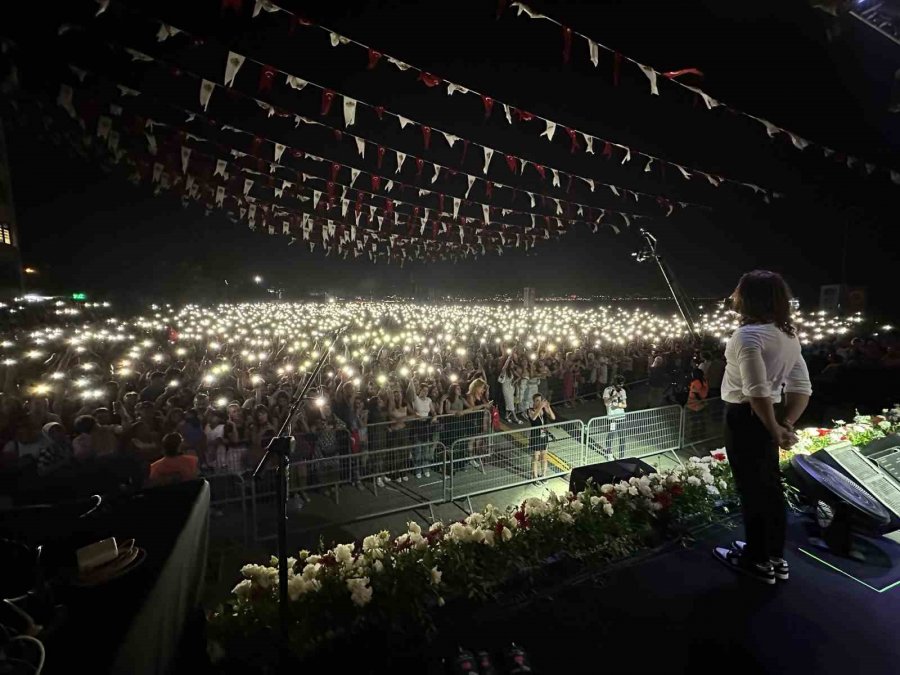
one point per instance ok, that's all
(374, 58)
(488, 105)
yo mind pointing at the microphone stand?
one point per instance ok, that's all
(279, 451)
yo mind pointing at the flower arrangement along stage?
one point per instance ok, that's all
(388, 581)
(862, 430)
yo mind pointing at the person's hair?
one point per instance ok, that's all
(475, 384)
(619, 380)
(171, 443)
(259, 409)
(697, 374)
(157, 375)
(535, 397)
(762, 296)
(84, 424)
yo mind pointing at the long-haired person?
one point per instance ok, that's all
(762, 357)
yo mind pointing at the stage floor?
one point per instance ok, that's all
(683, 612)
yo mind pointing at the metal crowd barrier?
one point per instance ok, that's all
(704, 422)
(638, 434)
(505, 459)
(228, 495)
(455, 457)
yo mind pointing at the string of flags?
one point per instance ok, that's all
(579, 141)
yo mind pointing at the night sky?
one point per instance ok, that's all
(88, 230)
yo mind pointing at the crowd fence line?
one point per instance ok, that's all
(442, 460)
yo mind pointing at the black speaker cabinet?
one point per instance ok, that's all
(608, 472)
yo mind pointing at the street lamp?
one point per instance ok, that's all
(258, 279)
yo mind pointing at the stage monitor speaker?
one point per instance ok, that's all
(608, 472)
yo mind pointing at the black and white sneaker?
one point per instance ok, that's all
(779, 565)
(732, 559)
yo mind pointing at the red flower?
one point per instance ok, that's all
(663, 498)
(676, 490)
(823, 432)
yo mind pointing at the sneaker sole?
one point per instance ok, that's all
(780, 576)
(747, 573)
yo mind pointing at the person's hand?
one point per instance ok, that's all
(784, 437)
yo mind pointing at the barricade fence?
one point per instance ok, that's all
(414, 463)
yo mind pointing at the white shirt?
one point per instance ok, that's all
(759, 359)
(616, 401)
(422, 406)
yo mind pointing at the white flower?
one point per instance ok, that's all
(243, 589)
(313, 559)
(566, 518)
(418, 541)
(459, 532)
(608, 509)
(576, 506)
(371, 543)
(604, 500)
(477, 535)
(506, 534)
(595, 500)
(343, 553)
(402, 539)
(633, 491)
(261, 575)
(435, 526)
(708, 478)
(360, 591)
(839, 423)
(311, 571)
(413, 527)
(712, 489)
(655, 506)
(385, 536)
(297, 586)
(884, 424)
(706, 459)
(693, 480)
(436, 575)
(723, 484)
(606, 488)
(441, 602)
(488, 537)
(378, 566)
(303, 555)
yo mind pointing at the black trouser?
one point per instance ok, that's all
(753, 456)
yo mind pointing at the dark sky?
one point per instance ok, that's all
(89, 230)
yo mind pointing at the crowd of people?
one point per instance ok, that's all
(199, 390)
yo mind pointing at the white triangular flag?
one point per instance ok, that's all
(185, 156)
(401, 157)
(279, 192)
(508, 112)
(451, 139)
(649, 163)
(456, 202)
(531, 197)
(594, 51)
(471, 180)
(615, 191)
(247, 185)
(455, 87)
(555, 178)
(627, 157)
(684, 172)
(771, 129)
(206, 90)
(285, 227)
(165, 32)
(799, 143)
(389, 186)
(522, 7)
(437, 171)
(353, 175)
(151, 144)
(232, 66)
(345, 204)
(486, 212)
(338, 39)
(550, 130)
(869, 167)
(349, 111)
(317, 195)
(403, 121)
(399, 64)
(266, 5)
(279, 151)
(220, 168)
(220, 195)
(707, 99)
(559, 209)
(138, 56)
(296, 82)
(488, 154)
(589, 142)
(360, 146)
(651, 75)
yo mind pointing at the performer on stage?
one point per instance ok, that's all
(762, 357)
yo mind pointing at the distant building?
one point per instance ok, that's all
(10, 258)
